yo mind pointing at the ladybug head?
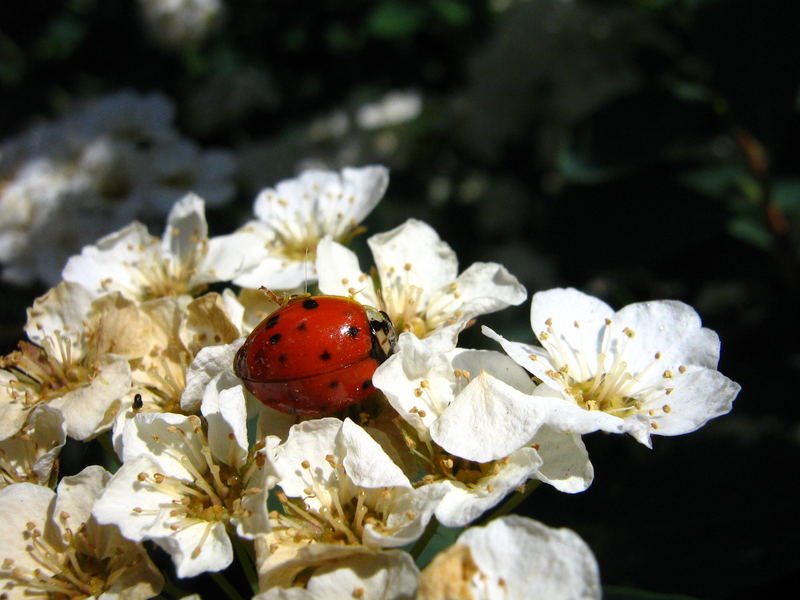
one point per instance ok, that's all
(383, 333)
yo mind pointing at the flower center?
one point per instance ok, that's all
(335, 514)
(47, 371)
(404, 303)
(297, 234)
(215, 492)
(603, 381)
(73, 570)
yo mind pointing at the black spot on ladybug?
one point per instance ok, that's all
(367, 384)
(333, 385)
(137, 402)
(272, 322)
(273, 339)
(282, 358)
(325, 355)
(301, 326)
(310, 304)
(379, 326)
(352, 331)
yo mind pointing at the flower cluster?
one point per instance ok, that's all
(131, 346)
(96, 169)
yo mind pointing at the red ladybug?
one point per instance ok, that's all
(316, 355)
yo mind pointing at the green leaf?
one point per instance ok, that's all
(749, 229)
(786, 194)
(61, 38)
(441, 540)
(452, 12)
(12, 61)
(395, 19)
(719, 180)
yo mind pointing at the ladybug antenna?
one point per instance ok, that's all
(305, 264)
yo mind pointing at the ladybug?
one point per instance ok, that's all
(315, 355)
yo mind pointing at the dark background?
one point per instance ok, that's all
(635, 149)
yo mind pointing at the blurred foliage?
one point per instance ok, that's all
(633, 148)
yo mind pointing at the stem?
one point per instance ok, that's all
(757, 160)
(226, 586)
(512, 501)
(245, 556)
(105, 442)
(173, 591)
(422, 542)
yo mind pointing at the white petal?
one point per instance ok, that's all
(671, 328)
(77, 493)
(703, 394)
(147, 433)
(254, 504)
(433, 262)
(13, 411)
(522, 558)
(577, 318)
(20, 504)
(124, 493)
(112, 257)
(463, 504)
(488, 420)
(209, 362)
(62, 309)
(339, 273)
(277, 273)
(488, 287)
(409, 514)
(400, 379)
(365, 461)
(523, 355)
(390, 575)
(186, 230)
(566, 464)
(216, 551)
(225, 411)
(91, 409)
(229, 256)
(310, 441)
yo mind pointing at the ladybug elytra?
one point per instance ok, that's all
(315, 355)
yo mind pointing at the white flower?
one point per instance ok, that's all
(295, 215)
(183, 487)
(473, 403)
(64, 367)
(394, 108)
(65, 184)
(419, 286)
(52, 547)
(389, 575)
(142, 267)
(516, 558)
(180, 22)
(476, 430)
(31, 454)
(476, 405)
(342, 494)
(649, 368)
